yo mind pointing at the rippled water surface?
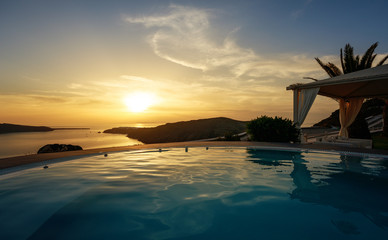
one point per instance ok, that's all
(24, 143)
(220, 193)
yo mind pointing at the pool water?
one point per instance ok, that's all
(219, 193)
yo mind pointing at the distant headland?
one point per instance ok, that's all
(184, 131)
(14, 128)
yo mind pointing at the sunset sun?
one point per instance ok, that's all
(139, 101)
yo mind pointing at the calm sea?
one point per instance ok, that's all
(16, 144)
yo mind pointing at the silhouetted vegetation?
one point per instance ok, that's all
(50, 148)
(183, 131)
(268, 129)
(350, 62)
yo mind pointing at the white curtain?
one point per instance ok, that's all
(348, 113)
(303, 99)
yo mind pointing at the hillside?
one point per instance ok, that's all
(183, 131)
(11, 128)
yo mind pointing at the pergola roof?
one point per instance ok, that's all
(372, 82)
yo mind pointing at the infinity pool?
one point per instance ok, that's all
(199, 193)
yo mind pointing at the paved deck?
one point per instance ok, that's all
(35, 158)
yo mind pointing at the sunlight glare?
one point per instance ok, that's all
(139, 101)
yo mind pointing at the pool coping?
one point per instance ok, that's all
(41, 158)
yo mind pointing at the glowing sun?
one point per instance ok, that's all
(139, 101)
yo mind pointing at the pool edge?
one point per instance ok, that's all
(41, 158)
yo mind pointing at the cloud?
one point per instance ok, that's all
(29, 78)
(48, 99)
(136, 78)
(183, 36)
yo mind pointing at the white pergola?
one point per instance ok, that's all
(349, 90)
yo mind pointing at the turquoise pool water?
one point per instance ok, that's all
(219, 193)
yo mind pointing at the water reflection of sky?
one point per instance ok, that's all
(220, 193)
(351, 184)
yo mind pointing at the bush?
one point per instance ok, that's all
(268, 129)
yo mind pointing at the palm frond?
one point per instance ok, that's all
(342, 61)
(336, 71)
(367, 56)
(325, 67)
(320, 62)
(382, 61)
(314, 79)
(357, 63)
(349, 60)
(370, 61)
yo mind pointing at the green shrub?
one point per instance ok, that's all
(268, 129)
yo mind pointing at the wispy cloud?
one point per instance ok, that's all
(29, 78)
(182, 37)
(136, 78)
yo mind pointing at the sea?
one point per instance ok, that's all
(25, 143)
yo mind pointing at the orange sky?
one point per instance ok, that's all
(78, 65)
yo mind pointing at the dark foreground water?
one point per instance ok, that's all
(220, 193)
(16, 144)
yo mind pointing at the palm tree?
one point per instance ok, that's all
(351, 63)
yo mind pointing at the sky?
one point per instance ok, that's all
(122, 63)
